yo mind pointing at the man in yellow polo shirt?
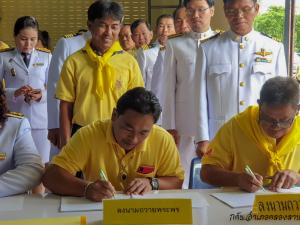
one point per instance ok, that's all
(264, 137)
(93, 78)
(136, 155)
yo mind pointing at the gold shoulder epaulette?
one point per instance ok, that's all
(145, 47)
(269, 36)
(72, 35)
(212, 37)
(15, 114)
(6, 49)
(43, 50)
(175, 35)
(118, 52)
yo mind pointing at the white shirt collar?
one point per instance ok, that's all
(201, 36)
(240, 39)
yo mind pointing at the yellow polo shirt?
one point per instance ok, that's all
(233, 150)
(3, 45)
(77, 84)
(93, 148)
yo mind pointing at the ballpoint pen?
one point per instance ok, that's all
(249, 171)
(103, 177)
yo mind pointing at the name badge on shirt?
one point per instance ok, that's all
(13, 72)
(2, 155)
(38, 64)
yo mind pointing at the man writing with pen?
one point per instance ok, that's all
(129, 152)
(265, 138)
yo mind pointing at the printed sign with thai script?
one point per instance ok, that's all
(277, 205)
(147, 211)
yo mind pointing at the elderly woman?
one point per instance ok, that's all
(20, 164)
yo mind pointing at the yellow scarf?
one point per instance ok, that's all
(248, 122)
(105, 72)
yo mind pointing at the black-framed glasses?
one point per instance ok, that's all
(235, 12)
(264, 120)
(200, 11)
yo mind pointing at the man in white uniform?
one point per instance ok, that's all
(65, 46)
(179, 67)
(147, 58)
(232, 68)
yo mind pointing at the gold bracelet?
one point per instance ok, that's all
(86, 188)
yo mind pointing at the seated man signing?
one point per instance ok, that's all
(264, 137)
(136, 155)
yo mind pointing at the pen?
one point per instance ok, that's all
(103, 177)
(249, 171)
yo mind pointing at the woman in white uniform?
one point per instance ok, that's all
(25, 71)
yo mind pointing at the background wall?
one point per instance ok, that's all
(61, 17)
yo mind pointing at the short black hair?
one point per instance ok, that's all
(280, 91)
(210, 3)
(163, 16)
(229, 1)
(3, 106)
(44, 37)
(25, 22)
(140, 100)
(136, 23)
(103, 8)
(180, 6)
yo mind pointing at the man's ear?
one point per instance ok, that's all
(89, 25)
(114, 115)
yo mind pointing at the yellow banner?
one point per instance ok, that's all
(147, 211)
(277, 205)
(75, 220)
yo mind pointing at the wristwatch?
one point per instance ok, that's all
(154, 183)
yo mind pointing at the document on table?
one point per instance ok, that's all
(75, 220)
(12, 203)
(69, 204)
(244, 199)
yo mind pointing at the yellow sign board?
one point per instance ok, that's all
(147, 211)
(277, 205)
(75, 220)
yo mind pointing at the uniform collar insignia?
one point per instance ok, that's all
(263, 53)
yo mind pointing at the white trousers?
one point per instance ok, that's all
(187, 153)
(40, 138)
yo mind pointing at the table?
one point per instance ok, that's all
(217, 213)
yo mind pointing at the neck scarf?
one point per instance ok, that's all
(105, 72)
(248, 122)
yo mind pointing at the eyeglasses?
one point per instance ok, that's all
(235, 12)
(200, 11)
(275, 123)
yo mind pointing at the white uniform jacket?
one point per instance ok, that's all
(146, 60)
(21, 167)
(179, 69)
(229, 75)
(16, 74)
(64, 48)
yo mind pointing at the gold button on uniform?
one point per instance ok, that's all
(242, 65)
(242, 46)
(242, 102)
(242, 84)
